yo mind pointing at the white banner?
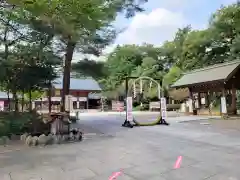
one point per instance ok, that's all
(68, 103)
(1, 105)
(117, 106)
(163, 108)
(129, 109)
(190, 105)
(223, 105)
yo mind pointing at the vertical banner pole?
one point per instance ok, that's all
(126, 95)
(134, 90)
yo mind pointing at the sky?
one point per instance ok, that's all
(161, 19)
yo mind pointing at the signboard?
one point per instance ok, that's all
(1, 105)
(68, 103)
(129, 109)
(82, 99)
(223, 105)
(163, 108)
(203, 101)
(117, 106)
(190, 105)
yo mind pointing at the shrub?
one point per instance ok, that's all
(135, 104)
(19, 123)
(137, 108)
(144, 107)
(171, 107)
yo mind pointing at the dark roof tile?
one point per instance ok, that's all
(79, 84)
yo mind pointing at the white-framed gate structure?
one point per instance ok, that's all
(158, 82)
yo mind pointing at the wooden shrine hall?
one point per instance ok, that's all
(214, 84)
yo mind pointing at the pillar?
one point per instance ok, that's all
(234, 100)
(87, 101)
(33, 105)
(206, 96)
(199, 101)
(223, 103)
(191, 102)
(102, 104)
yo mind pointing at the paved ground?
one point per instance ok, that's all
(141, 153)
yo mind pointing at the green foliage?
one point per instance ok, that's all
(190, 49)
(83, 25)
(174, 74)
(218, 43)
(144, 107)
(15, 123)
(28, 61)
(19, 123)
(90, 68)
(34, 95)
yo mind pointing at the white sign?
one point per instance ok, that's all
(190, 105)
(129, 109)
(1, 105)
(203, 101)
(163, 108)
(223, 105)
(68, 103)
(82, 99)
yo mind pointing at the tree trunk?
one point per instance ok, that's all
(30, 100)
(16, 101)
(49, 97)
(22, 100)
(234, 101)
(9, 101)
(67, 71)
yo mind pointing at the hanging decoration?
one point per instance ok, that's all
(141, 86)
(134, 90)
(150, 85)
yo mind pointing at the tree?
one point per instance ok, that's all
(122, 61)
(195, 50)
(24, 74)
(21, 63)
(173, 75)
(225, 30)
(95, 69)
(82, 25)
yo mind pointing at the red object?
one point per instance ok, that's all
(178, 162)
(117, 106)
(115, 175)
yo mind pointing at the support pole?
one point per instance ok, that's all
(199, 100)
(234, 100)
(192, 104)
(161, 95)
(224, 104)
(126, 122)
(126, 94)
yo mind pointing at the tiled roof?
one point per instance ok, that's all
(79, 84)
(218, 72)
